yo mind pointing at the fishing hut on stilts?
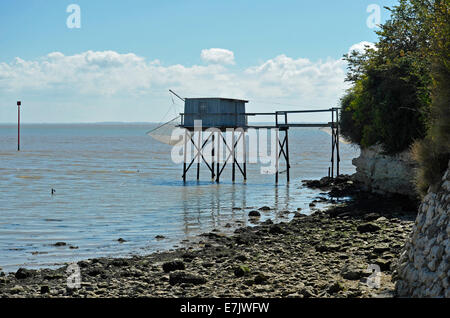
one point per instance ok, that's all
(216, 116)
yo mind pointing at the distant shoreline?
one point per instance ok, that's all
(114, 123)
(86, 123)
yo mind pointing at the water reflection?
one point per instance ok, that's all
(114, 181)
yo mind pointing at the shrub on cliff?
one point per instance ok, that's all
(400, 97)
(433, 152)
(389, 101)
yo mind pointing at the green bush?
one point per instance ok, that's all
(433, 152)
(400, 97)
(387, 106)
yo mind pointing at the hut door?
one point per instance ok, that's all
(203, 108)
(202, 112)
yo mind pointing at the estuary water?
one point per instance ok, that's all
(113, 181)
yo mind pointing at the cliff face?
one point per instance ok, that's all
(424, 264)
(385, 174)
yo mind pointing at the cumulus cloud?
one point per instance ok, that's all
(219, 56)
(361, 47)
(117, 77)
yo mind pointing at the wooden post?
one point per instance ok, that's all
(219, 135)
(185, 155)
(199, 149)
(276, 155)
(332, 143)
(233, 154)
(212, 155)
(288, 164)
(244, 146)
(337, 142)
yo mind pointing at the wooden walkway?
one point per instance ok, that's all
(282, 146)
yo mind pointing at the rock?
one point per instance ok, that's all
(298, 215)
(160, 237)
(254, 214)
(260, 278)
(23, 273)
(173, 266)
(380, 248)
(335, 287)
(17, 289)
(368, 228)
(60, 244)
(380, 173)
(45, 289)
(207, 265)
(327, 247)
(180, 277)
(307, 292)
(265, 208)
(276, 229)
(95, 271)
(53, 276)
(119, 262)
(241, 258)
(83, 264)
(384, 264)
(121, 240)
(353, 273)
(188, 257)
(371, 216)
(241, 271)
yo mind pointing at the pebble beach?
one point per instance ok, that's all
(348, 250)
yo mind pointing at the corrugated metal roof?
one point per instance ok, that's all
(221, 98)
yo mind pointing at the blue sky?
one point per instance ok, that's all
(271, 52)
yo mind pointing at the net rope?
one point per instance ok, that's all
(164, 132)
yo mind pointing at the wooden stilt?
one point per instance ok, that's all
(277, 155)
(212, 155)
(332, 144)
(244, 150)
(280, 147)
(233, 154)
(219, 135)
(288, 165)
(337, 143)
(185, 154)
(199, 149)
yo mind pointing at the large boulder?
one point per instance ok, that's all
(383, 174)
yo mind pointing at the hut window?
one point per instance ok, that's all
(203, 108)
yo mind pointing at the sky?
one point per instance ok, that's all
(116, 60)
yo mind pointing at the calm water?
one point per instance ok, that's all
(113, 181)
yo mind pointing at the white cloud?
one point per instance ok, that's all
(110, 78)
(361, 47)
(219, 56)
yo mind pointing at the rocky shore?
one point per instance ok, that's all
(331, 253)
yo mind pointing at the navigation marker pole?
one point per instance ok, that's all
(18, 125)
